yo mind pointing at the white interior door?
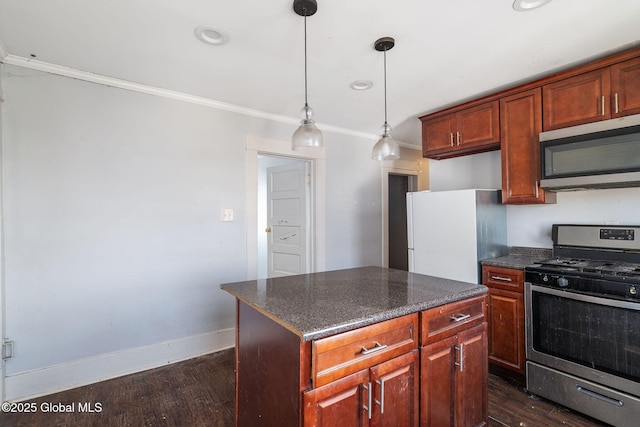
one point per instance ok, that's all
(287, 219)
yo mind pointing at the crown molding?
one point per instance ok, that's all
(59, 70)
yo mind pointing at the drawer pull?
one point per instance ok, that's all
(503, 279)
(459, 317)
(364, 350)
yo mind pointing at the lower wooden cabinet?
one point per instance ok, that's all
(377, 375)
(505, 313)
(454, 380)
(383, 395)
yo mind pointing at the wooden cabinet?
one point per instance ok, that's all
(506, 317)
(453, 364)
(521, 124)
(625, 86)
(469, 130)
(339, 355)
(576, 100)
(370, 376)
(367, 376)
(600, 94)
(383, 395)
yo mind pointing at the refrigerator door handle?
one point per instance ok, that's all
(411, 261)
(410, 223)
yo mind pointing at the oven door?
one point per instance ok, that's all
(594, 338)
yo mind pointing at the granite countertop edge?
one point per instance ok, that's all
(387, 315)
(518, 258)
(345, 325)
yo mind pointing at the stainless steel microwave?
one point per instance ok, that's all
(604, 154)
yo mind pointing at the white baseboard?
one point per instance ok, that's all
(52, 379)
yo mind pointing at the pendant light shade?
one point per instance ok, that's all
(307, 134)
(386, 148)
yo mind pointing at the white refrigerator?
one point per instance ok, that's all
(449, 232)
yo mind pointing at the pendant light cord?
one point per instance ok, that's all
(306, 104)
(385, 85)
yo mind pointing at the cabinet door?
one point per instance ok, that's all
(521, 124)
(577, 100)
(506, 329)
(438, 134)
(343, 402)
(478, 126)
(471, 380)
(395, 391)
(625, 86)
(437, 367)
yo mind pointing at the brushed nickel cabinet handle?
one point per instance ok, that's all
(364, 350)
(602, 106)
(461, 349)
(459, 317)
(615, 97)
(368, 405)
(458, 138)
(451, 138)
(503, 279)
(381, 401)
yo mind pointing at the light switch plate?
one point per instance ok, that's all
(226, 214)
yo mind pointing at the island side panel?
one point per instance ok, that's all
(272, 369)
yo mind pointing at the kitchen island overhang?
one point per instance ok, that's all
(317, 305)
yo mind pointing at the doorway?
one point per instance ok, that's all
(284, 216)
(398, 186)
(257, 147)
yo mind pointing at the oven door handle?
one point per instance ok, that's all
(602, 397)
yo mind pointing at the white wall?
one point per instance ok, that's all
(530, 225)
(114, 248)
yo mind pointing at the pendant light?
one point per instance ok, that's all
(386, 148)
(307, 134)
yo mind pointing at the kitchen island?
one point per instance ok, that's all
(359, 346)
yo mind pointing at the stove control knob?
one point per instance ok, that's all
(563, 282)
(545, 278)
(633, 291)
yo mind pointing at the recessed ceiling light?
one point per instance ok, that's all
(211, 35)
(361, 85)
(527, 5)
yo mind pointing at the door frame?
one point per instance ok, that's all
(256, 146)
(394, 167)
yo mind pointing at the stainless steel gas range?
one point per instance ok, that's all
(582, 311)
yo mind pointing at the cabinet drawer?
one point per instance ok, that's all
(339, 355)
(508, 279)
(447, 320)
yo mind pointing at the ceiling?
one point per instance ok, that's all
(446, 51)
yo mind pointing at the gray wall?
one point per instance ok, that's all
(112, 202)
(530, 225)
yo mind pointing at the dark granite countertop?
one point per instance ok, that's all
(317, 305)
(519, 257)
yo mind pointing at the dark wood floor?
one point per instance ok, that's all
(200, 392)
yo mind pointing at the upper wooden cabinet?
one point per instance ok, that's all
(469, 130)
(625, 85)
(576, 100)
(520, 124)
(601, 94)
